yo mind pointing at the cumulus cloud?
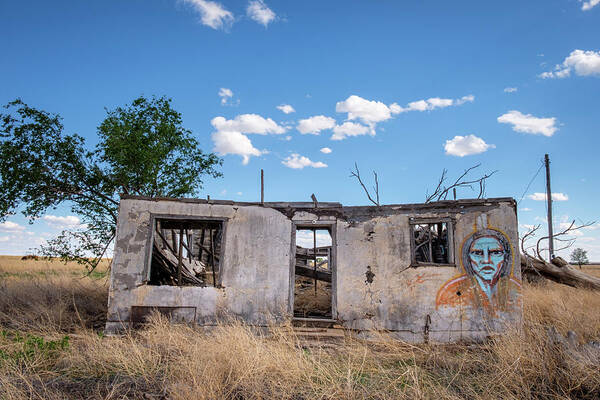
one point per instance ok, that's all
(230, 137)
(510, 89)
(341, 132)
(431, 104)
(225, 95)
(232, 142)
(248, 123)
(325, 150)
(527, 123)
(212, 14)
(543, 197)
(296, 161)
(583, 63)
(368, 111)
(371, 112)
(69, 221)
(8, 226)
(314, 125)
(259, 12)
(466, 145)
(588, 5)
(286, 108)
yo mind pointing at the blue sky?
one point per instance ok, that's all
(405, 88)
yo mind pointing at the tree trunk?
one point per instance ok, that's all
(558, 271)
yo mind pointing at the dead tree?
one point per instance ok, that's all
(533, 266)
(356, 174)
(441, 191)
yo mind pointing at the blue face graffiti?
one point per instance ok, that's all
(487, 257)
(487, 281)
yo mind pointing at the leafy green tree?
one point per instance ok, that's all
(143, 150)
(579, 256)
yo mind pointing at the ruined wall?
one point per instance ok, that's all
(374, 284)
(255, 265)
(379, 289)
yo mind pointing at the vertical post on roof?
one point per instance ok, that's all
(315, 257)
(549, 199)
(180, 254)
(454, 191)
(262, 187)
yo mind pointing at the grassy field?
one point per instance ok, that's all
(52, 347)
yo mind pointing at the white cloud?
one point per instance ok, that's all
(371, 112)
(368, 111)
(431, 104)
(225, 95)
(525, 209)
(528, 123)
(248, 123)
(542, 197)
(239, 193)
(212, 13)
(584, 63)
(510, 89)
(588, 5)
(70, 221)
(231, 142)
(341, 132)
(466, 145)
(314, 125)
(325, 150)
(296, 161)
(230, 136)
(286, 108)
(259, 12)
(8, 226)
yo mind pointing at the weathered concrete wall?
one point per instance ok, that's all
(379, 289)
(375, 286)
(255, 264)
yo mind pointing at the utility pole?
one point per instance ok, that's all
(549, 199)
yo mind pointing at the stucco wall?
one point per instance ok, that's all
(257, 258)
(255, 264)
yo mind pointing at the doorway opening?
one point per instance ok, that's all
(313, 273)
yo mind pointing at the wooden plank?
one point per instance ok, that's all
(311, 273)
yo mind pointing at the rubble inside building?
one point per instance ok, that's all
(444, 271)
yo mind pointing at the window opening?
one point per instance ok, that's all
(312, 289)
(431, 243)
(186, 252)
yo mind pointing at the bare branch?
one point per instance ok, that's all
(557, 236)
(441, 191)
(356, 174)
(528, 235)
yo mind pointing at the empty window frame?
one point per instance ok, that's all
(432, 242)
(186, 252)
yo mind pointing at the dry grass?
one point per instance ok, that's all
(37, 361)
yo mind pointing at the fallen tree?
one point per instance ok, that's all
(558, 270)
(534, 267)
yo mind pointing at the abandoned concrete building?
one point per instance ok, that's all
(443, 271)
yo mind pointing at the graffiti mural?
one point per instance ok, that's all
(487, 278)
